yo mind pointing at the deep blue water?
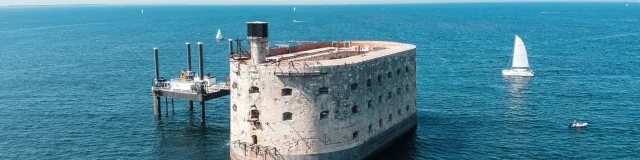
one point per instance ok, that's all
(75, 80)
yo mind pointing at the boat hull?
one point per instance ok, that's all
(520, 73)
(578, 125)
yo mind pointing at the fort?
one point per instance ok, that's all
(320, 100)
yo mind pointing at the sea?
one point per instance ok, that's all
(75, 80)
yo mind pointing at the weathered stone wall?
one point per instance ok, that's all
(392, 101)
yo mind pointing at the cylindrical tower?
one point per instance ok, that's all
(257, 34)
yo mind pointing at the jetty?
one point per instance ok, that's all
(189, 86)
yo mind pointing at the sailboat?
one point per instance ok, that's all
(294, 8)
(142, 11)
(520, 64)
(219, 35)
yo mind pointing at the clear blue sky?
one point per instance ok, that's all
(275, 2)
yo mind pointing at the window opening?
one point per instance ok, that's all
(254, 89)
(254, 114)
(324, 114)
(287, 116)
(354, 109)
(324, 90)
(287, 91)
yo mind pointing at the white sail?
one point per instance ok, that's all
(219, 35)
(294, 8)
(519, 54)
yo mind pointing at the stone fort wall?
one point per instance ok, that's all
(321, 116)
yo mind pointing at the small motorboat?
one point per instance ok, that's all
(577, 124)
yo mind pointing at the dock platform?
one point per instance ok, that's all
(190, 86)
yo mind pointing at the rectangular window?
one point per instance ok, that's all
(354, 109)
(354, 86)
(389, 75)
(369, 104)
(368, 82)
(287, 91)
(324, 90)
(287, 116)
(355, 134)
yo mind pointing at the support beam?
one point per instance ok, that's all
(158, 109)
(155, 55)
(200, 61)
(202, 117)
(166, 106)
(172, 107)
(189, 69)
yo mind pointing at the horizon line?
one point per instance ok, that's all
(292, 4)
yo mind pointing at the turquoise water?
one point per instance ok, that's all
(76, 79)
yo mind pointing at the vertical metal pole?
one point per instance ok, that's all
(172, 108)
(202, 120)
(201, 69)
(200, 59)
(188, 56)
(166, 106)
(155, 54)
(157, 110)
(238, 51)
(189, 69)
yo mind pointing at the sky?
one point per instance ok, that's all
(263, 2)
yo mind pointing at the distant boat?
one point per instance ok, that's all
(142, 11)
(294, 8)
(296, 21)
(577, 124)
(219, 35)
(520, 64)
(627, 4)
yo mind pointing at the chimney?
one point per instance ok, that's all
(257, 34)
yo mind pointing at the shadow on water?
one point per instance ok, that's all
(403, 148)
(177, 138)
